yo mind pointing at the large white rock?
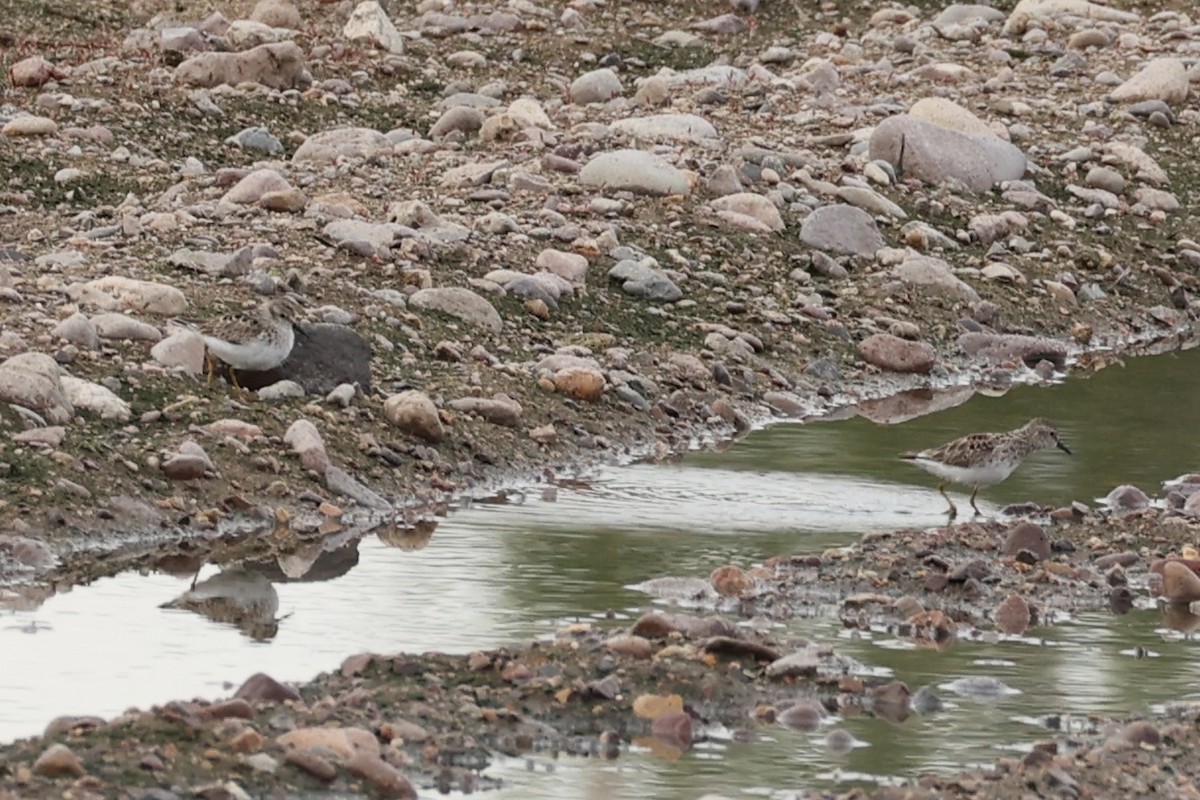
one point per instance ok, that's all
(342, 143)
(88, 396)
(939, 155)
(751, 205)
(678, 127)
(949, 114)
(31, 380)
(279, 66)
(934, 275)
(183, 348)
(115, 292)
(1163, 79)
(370, 22)
(636, 171)
(1028, 11)
(597, 86)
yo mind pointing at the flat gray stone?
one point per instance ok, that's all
(458, 302)
(842, 228)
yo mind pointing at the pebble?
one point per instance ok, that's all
(262, 688)
(1026, 537)
(414, 413)
(1126, 498)
(1013, 616)
(897, 355)
(58, 761)
(597, 86)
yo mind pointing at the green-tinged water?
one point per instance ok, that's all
(1125, 424)
(498, 574)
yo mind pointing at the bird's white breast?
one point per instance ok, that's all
(983, 475)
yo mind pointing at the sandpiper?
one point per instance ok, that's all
(254, 341)
(985, 459)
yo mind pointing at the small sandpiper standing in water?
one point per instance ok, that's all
(985, 459)
(254, 341)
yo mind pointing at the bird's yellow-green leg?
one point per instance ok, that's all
(210, 366)
(953, 512)
(978, 513)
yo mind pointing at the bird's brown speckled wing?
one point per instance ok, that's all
(240, 326)
(965, 452)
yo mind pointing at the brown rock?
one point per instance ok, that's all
(659, 625)
(414, 413)
(181, 467)
(312, 763)
(247, 741)
(653, 706)
(1123, 559)
(262, 688)
(1012, 616)
(403, 730)
(1127, 498)
(343, 742)
(1027, 536)
(33, 71)
(289, 200)
(386, 780)
(892, 701)
(497, 410)
(356, 664)
(57, 761)
(1141, 732)
(1180, 584)
(730, 581)
(545, 434)
(537, 307)
(736, 647)
(1193, 564)
(237, 707)
(635, 646)
(516, 672)
(803, 715)
(895, 354)
(71, 724)
(580, 383)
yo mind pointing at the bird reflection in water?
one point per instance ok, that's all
(235, 596)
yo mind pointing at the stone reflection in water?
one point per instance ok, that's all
(236, 596)
(406, 536)
(1179, 617)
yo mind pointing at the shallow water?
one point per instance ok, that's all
(503, 573)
